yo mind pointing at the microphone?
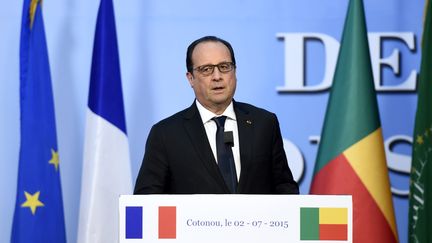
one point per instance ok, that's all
(228, 138)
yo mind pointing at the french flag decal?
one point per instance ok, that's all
(166, 222)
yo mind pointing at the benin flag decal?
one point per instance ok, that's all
(323, 223)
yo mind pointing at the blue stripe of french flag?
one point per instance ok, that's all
(134, 223)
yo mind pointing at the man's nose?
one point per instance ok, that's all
(216, 75)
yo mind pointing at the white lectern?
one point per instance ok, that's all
(235, 218)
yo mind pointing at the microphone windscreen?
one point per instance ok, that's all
(228, 138)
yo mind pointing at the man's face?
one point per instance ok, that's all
(214, 91)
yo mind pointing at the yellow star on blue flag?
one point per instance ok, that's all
(32, 201)
(54, 159)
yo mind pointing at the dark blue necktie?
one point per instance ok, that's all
(225, 156)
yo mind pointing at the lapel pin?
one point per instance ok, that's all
(249, 122)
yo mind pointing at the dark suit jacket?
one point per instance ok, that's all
(178, 157)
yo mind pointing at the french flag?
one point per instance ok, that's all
(106, 172)
(166, 221)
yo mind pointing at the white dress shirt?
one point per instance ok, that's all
(230, 125)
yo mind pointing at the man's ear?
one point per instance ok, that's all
(190, 78)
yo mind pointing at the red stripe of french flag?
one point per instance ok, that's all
(167, 222)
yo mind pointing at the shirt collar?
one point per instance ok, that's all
(207, 115)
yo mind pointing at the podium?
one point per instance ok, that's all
(208, 218)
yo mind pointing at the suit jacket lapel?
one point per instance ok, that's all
(245, 126)
(197, 134)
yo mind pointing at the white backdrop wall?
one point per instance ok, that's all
(153, 36)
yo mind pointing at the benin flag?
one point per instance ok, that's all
(351, 157)
(323, 224)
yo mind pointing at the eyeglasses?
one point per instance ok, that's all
(223, 67)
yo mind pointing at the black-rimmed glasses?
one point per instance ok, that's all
(224, 67)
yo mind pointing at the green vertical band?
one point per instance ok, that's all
(309, 224)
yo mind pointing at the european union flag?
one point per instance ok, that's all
(38, 213)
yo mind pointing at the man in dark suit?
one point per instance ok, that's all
(184, 153)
